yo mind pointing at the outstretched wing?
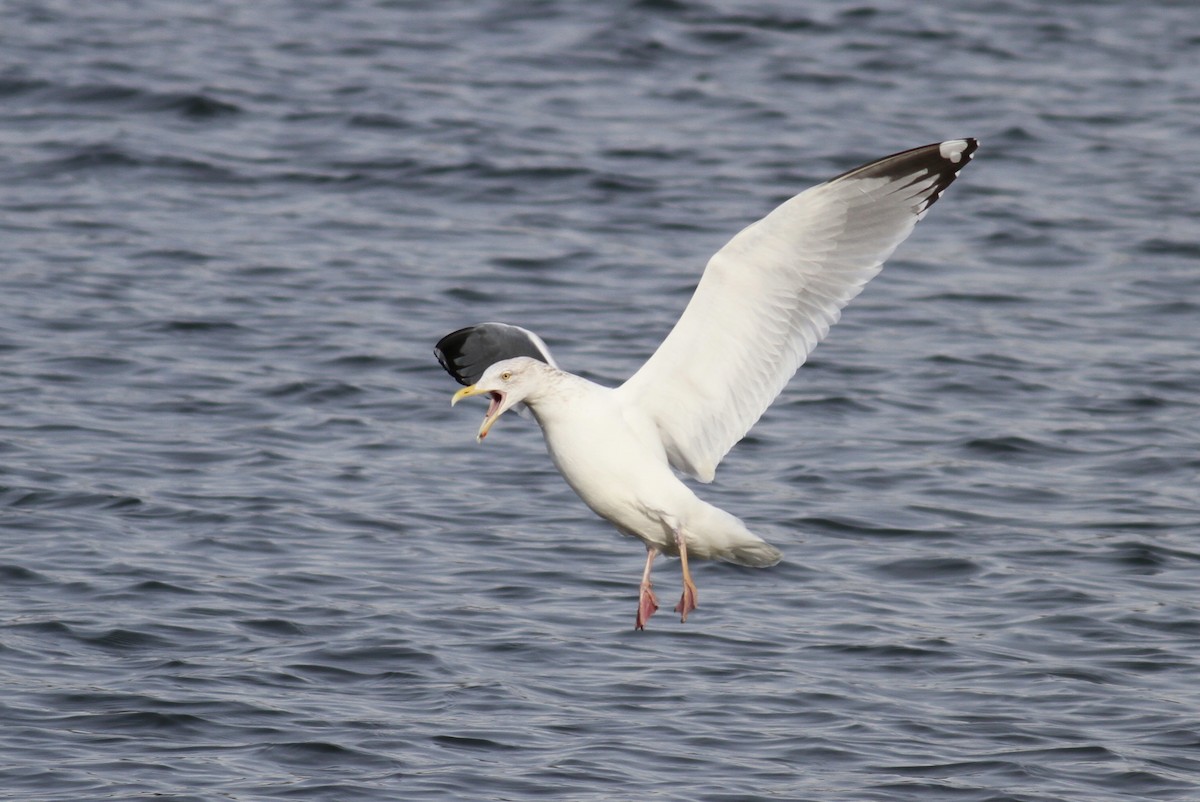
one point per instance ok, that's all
(770, 295)
(467, 353)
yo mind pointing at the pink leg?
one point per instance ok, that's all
(687, 602)
(647, 604)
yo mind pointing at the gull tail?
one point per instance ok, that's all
(717, 535)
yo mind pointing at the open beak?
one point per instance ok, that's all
(495, 408)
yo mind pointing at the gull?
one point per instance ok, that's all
(762, 304)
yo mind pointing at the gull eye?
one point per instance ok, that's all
(506, 375)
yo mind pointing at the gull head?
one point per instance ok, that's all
(507, 383)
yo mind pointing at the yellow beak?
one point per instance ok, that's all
(464, 393)
(488, 419)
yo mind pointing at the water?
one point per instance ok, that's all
(250, 553)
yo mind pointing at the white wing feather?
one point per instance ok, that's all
(770, 295)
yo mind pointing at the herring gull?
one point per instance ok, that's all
(762, 304)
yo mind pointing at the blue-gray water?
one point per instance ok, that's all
(249, 552)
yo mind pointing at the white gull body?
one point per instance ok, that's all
(611, 454)
(763, 303)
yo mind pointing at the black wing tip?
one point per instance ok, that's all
(952, 156)
(466, 353)
(942, 160)
(449, 349)
(945, 158)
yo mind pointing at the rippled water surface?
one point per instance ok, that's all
(248, 551)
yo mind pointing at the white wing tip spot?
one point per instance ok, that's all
(953, 150)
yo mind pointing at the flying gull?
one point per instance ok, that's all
(763, 303)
